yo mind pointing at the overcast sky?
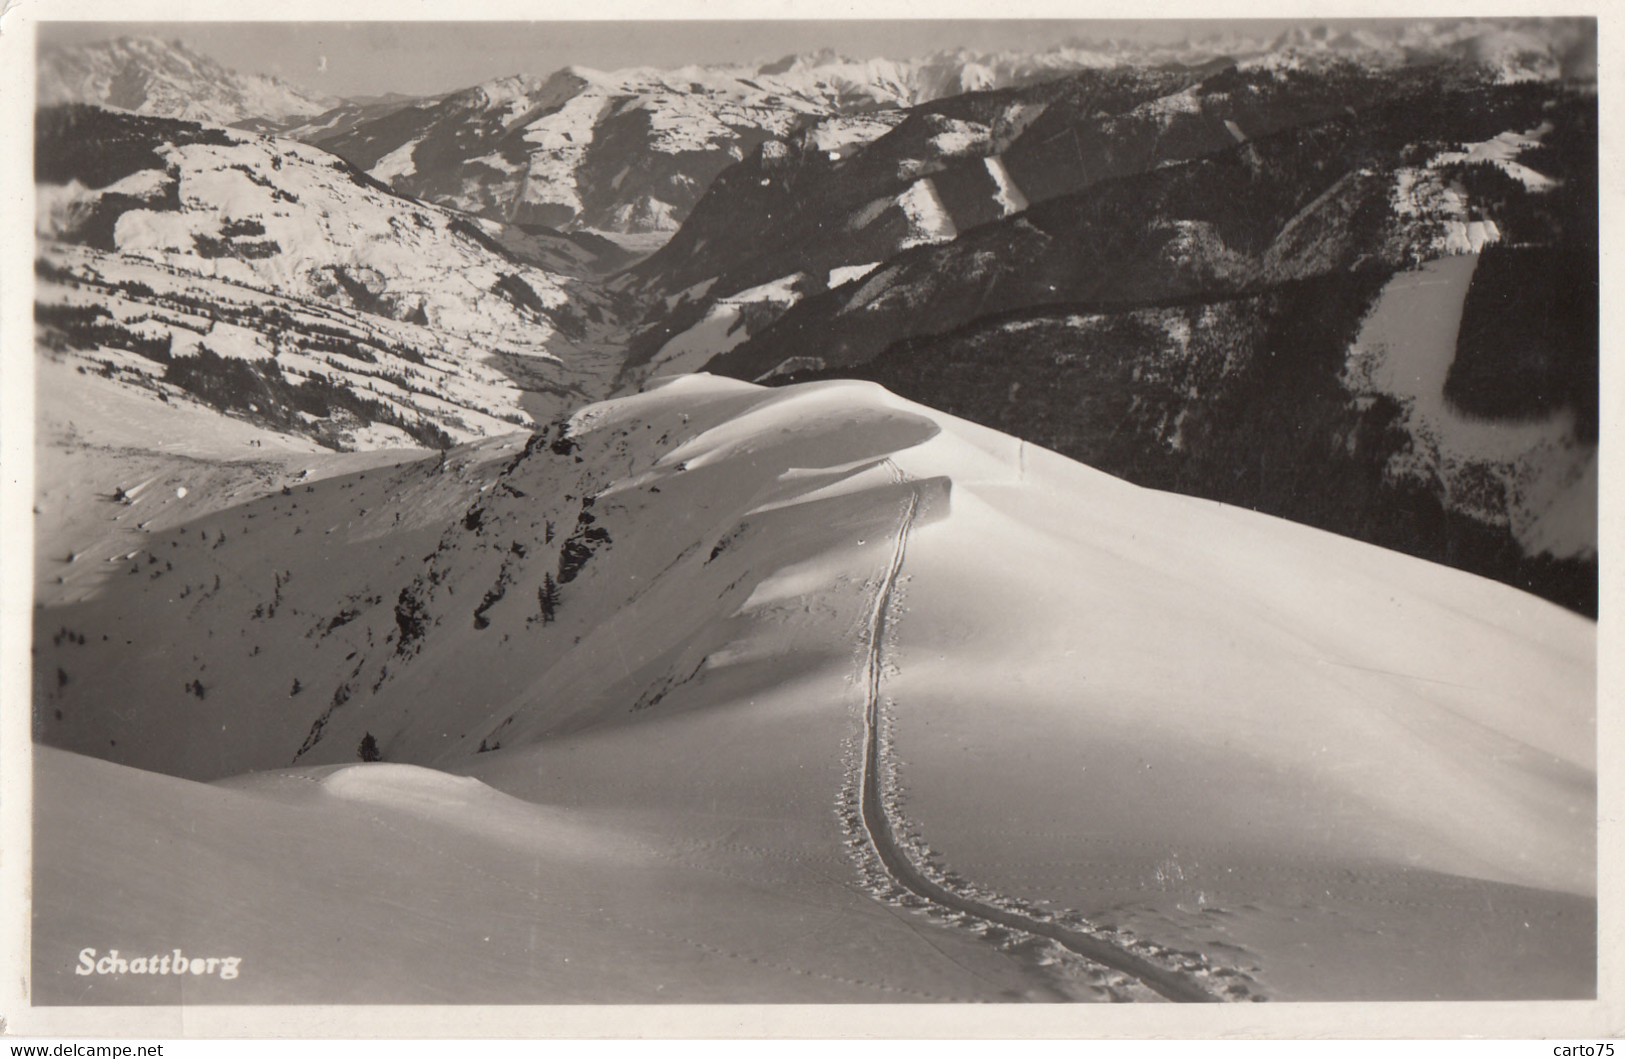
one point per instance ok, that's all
(370, 58)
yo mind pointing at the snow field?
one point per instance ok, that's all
(1110, 701)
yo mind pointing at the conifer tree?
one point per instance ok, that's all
(548, 597)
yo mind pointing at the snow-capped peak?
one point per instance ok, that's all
(147, 75)
(499, 93)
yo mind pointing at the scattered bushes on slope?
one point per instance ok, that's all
(209, 247)
(90, 326)
(260, 390)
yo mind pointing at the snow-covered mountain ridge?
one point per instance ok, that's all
(632, 150)
(692, 606)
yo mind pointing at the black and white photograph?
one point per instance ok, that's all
(835, 511)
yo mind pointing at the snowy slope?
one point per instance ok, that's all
(780, 639)
(396, 884)
(258, 247)
(1536, 477)
(286, 216)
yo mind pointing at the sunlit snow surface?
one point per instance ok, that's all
(1299, 764)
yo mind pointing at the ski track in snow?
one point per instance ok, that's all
(881, 829)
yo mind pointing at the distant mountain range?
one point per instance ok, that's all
(634, 150)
